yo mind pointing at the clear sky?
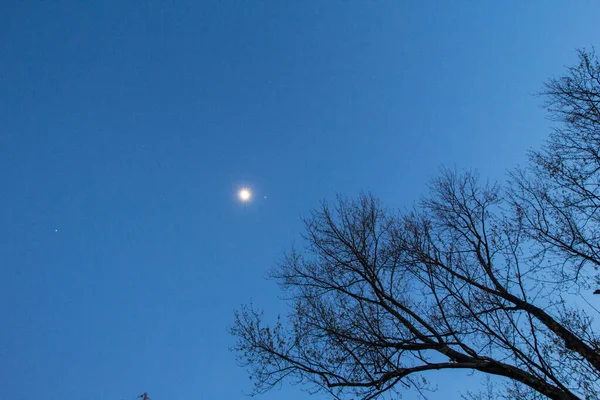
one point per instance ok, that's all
(127, 126)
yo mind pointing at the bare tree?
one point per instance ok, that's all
(465, 281)
(559, 194)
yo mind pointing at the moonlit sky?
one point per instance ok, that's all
(127, 127)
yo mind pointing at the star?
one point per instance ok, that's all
(245, 195)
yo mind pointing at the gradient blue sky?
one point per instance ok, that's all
(126, 127)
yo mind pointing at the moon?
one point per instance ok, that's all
(245, 195)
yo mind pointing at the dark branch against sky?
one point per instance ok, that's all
(126, 131)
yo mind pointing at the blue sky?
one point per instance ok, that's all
(127, 126)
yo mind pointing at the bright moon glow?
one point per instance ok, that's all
(245, 195)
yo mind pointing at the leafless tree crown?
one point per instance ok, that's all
(477, 277)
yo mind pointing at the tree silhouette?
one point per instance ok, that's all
(477, 277)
